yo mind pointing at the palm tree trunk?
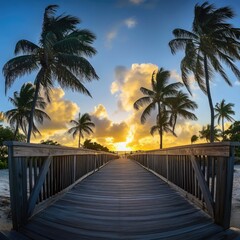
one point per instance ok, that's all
(223, 128)
(209, 100)
(160, 126)
(174, 123)
(79, 139)
(32, 111)
(15, 132)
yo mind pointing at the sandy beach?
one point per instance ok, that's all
(5, 213)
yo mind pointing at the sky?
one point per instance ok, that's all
(132, 39)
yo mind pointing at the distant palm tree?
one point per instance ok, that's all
(212, 42)
(180, 106)
(165, 125)
(157, 97)
(82, 125)
(194, 138)
(224, 111)
(60, 56)
(22, 101)
(205, 133)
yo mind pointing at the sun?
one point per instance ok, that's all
(122, 146)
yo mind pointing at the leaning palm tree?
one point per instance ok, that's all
(162, 125)
(82, 125)
(224, 111)
(181, 105)
(60, 55)
(19, 117)
(157, 96)
(211, 42)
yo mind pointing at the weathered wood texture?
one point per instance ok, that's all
(39, 172)
(123, 201)
(203, 172)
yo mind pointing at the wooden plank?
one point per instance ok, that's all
(33, 150)
(122, 201)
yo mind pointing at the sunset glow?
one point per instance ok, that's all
(132, 42)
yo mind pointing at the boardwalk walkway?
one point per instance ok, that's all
(122, 201)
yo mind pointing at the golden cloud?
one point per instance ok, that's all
(126, 88)
(128, 134)
(100, 111)
(61, 111)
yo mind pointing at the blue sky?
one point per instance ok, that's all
(128, 32)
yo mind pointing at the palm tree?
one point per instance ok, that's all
(212, 42)
(165, 125)
(205, 133)
(194, 138)
(82, 125)
(180, 106)
(224, 111)
(157, 97)
(60, 56)
(22, 101)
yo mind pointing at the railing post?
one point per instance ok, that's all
(147, 162)
(74, 168)
(224, 189)
(167, 166)
(95, 162)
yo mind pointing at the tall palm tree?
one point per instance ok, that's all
(181, 105)
(205, 133)
(18, 117)
(224, 111)
(60, 55)
(157, 97)
(165, 125)
(82, 125)
(211, 42)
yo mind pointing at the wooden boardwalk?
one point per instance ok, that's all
(122, 201)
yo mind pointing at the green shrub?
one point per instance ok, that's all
(3, 163)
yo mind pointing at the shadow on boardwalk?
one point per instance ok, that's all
(122, 201)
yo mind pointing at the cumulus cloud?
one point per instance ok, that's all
(127, 134)
(130, 22)
(61, 111)
(100, 111)
(126, 88)
(107, 129)
(128, 83)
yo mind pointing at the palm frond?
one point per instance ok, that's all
(25, 47)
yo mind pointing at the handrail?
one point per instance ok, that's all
(202, 172)
(38, 173)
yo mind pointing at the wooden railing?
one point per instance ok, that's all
(202, 172)
(38, 173)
